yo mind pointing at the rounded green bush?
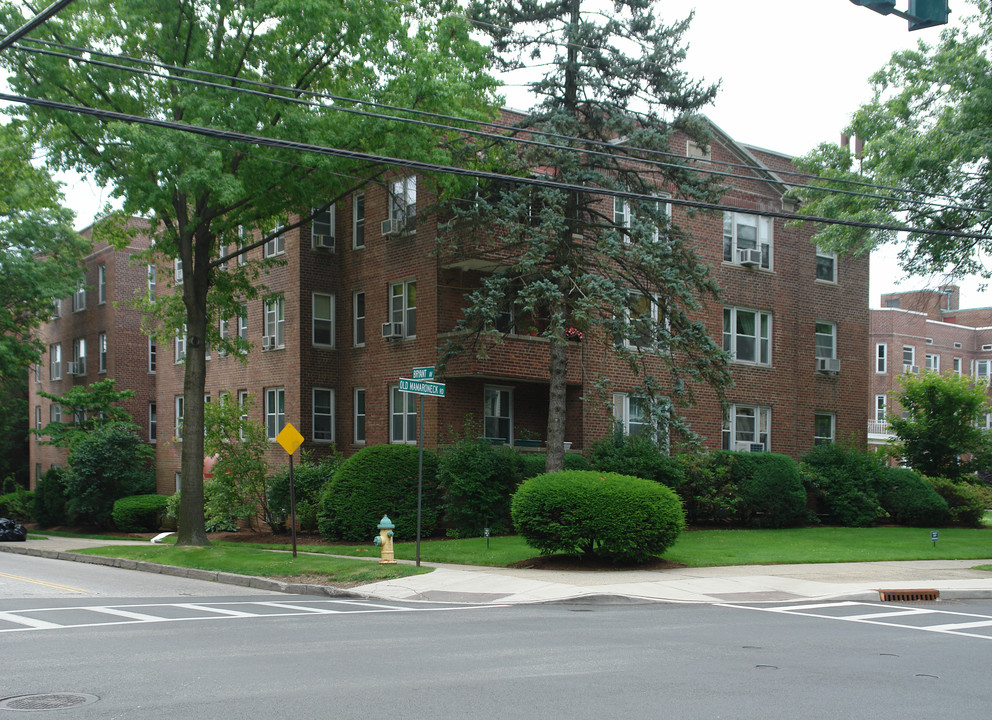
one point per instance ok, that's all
(846, 483)
(769, 486)
(50, 498)
(911, 500)
(617, 517)
(964, 501)
(139, 513)
(637, 455)
(380, 480)
(477, 480)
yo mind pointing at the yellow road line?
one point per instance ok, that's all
(40, 582)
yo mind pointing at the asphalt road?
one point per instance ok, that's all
(259, 655)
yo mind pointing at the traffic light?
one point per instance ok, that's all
(884, 7)
(926, 13)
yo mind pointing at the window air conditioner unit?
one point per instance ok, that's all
(268, 342)
(391, 227)
(324, 242)
(749, 258)
(392, 330)
(748, 446)
(828, 365)
(911, 369)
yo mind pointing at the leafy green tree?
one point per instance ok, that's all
(941, 436)
(566, 266)
(14, 451)
(926, 158)
(39, 251)
(200, 193)
(85, 409)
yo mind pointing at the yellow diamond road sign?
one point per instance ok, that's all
(289, 438)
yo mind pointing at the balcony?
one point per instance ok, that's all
(879, 432)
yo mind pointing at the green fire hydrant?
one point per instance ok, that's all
(385, 540)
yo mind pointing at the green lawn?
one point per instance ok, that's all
(260, 563)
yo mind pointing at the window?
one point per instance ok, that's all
(243, 404)
(101, 348)
(323, 320)
(402, 416)
(79, 356)
(242, 241)
(151, 353)
(403, 204)
(179, 481)
(177, 270)
(101, 283)
(880, 408)
(151, 281)
(932, 362)
(243, 324)
(275, 324)
(358, 221)
(957, 346)
(56, 309)
(277, 245)
(323, 415)
(826, 340)
(37, 417)
(180, 412)
(908, 356)
(322, 227)
(181, 345)
(957, 366)
(152, 422)
(55, 413)
(747, 426)
(629, 413)
(497, 413)
(823, 428)
(644, 320)
(359, 318)
(892, 303)
(55, 361)
(221, 351)
(826, 265)
(275, 411)
(983, 369)
(880, 349)
(747, 232)
(79, 298)
(403, 306)
(359, 415)
(623, 217)
(747, 335)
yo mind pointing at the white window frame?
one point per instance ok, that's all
(243, 406)
(764, 240)
(824, 330)
(326, 436)
(957, 366)
(323, 322)
(824, 439)
(359, 411)
(151, 281)
(657, 318)
(762, 338)
(983, 369)
(152, 422)
(761, 433)
(79, 298)
(275, 412)
(180, 414)
(152, 354)
(177, 271)
(222, 331)
(503, 414)
(101, 284)
(55, 412)
(822, 258)
(79, 355)
(101, 350)
(881, 408)
(358, 221)
(277, 245)
(179, 481)
(37, 417)
(358, 325)
(911, 351)
(402, 200)
(932, 362)
(881, 358)
(55, 361)
(56, 308)
(242, 241)
(243, 325)
(180, 348)
(403, 419)
(400, 310)
(324, 222)
(275, 321)
(630, 413)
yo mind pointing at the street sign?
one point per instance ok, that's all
(421, 388)
(423, 373)
(290, 439)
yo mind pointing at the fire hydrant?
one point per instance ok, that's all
(385, 541)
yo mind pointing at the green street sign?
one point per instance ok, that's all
(423, 373)
(421, 388)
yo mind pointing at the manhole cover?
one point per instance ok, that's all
(46, 701)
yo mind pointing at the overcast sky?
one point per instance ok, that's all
(791, 71)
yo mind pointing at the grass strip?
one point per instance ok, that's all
(260, 563)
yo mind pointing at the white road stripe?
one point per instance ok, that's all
(314, 610)
(28, 621)
(124, 614)
(894, 613)
(219, 611)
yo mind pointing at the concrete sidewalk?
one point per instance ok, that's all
(953, 579)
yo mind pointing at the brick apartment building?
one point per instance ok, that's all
(795, 319)
(923, 330)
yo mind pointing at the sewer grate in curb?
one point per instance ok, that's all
(46, 701)
(908, 595)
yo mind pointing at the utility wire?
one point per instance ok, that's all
(491, 136)
(34, 22)
(463, 172)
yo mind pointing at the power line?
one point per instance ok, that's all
(34, 22)
(463, 172)
(595, 143)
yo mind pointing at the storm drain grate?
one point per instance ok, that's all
(46, 701)
(908, 595)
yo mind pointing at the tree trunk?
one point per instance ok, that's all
(558, 367)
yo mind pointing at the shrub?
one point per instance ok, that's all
(309, 480)
(636, 455)
(139, 513)
(618, 517)
(217, 513)
(17, 505)
(845, 482)
(108, 463)
(476, 481)
(49, 498)
(535, 464)
(709, 496)
(964, 501)
(768, 484)
(376, 481)
(911, 500)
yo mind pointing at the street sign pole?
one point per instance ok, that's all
(420, 475)
(292, 504)
(290, 439)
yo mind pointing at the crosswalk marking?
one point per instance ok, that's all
(895, 613)
(219, 611)
(30, 622)
(117, 612)
(287, 606)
